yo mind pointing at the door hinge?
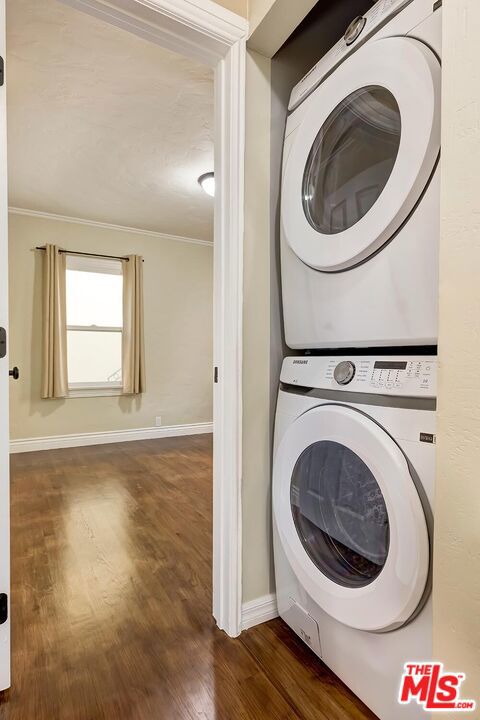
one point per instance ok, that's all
(215, 375)
(3, 608)
(2, 71)
(3, 342)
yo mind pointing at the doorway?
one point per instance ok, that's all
(188, 30)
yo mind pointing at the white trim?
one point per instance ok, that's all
(204, 30)
(259, 611)
(4, 382)
(105, 438)
(228, 337)
(85, 390)
(200, 29)
(94, 328)
(106, 226)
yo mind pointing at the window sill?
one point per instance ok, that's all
(94, 392)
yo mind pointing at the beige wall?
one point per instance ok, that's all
(257, 567)
(178, 332)
(260, 317)
(273, 21)
(237, 6)
(456, 589)
(257, 9)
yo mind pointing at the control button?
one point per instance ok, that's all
(354, 29)
(344, 372)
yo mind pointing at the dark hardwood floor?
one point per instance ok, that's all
(111, 599)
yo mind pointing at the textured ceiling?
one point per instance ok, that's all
(105, 126)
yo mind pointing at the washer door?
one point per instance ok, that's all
(363, 154)
(350, 519)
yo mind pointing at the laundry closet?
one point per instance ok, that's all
(355, 169)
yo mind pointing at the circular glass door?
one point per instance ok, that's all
(340, 514)
(351, 160)
(361, 154)
(349, 518)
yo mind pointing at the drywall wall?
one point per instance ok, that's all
(257, 9)
(271, 22)
(257, 565)
(237, 6)
(456, 587)
(178, 290)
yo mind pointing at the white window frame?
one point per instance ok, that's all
(100, 265)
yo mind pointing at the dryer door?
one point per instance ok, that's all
(350, 519)
(363, 154)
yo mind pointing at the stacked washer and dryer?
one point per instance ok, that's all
(354, 451)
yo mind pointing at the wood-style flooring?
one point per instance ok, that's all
(111, 599)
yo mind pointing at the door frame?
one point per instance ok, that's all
(207, 32)
(4, 381)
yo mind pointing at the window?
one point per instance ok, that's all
(94, 325)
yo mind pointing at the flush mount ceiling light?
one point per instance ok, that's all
(207, 183)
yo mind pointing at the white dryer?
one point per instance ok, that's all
(353, 483)
(360, 186)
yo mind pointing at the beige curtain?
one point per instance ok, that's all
(54, 377)
(133, 360)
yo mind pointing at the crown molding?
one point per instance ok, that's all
(106, 226)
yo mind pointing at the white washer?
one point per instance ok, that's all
(361, 183)
(353, 482)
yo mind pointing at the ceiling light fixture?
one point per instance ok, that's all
(207, 183)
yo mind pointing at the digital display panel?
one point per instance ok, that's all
(387, 365)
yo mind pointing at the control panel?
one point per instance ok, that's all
(359, 30)
(401, 376)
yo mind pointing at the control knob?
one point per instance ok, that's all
(354, 29)
(344, 372)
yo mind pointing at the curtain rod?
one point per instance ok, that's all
(86, 254)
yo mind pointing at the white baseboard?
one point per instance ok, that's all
(259, 611)
(104, 438)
